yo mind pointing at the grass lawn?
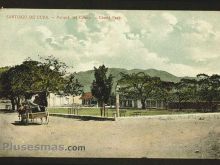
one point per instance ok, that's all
(129, 112)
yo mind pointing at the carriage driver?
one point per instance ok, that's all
(33, 106)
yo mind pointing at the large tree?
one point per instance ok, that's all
(102, 86)
(6, 88)
(18, 81)
(209, 88)
(51, 74)
(138, 86)
(72, 86)
(164, 91)
(185, 90)
(33, 77)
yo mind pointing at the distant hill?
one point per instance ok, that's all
(87, 77)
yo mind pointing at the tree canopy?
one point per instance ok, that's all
(72, 86)
(31, 77)
(102, 86)
(138, 86)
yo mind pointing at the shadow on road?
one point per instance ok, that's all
(18, 123)
(90, 119)
(7, 111)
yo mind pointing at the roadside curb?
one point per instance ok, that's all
(175, 116)
(83, 117)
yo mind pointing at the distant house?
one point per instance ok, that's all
(55, 100)
(150, 103)
(88, 99)
(5, 104)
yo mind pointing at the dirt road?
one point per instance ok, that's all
(130, 137)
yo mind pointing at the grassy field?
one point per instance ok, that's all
(110, 112)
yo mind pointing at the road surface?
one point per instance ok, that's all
(136, 137)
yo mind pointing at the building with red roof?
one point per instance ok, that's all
(88, 99)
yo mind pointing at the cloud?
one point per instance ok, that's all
(172, 20)
(44, 31)
(200, 55)
(165, 40)
(162, 25)
(201, 31)
(202, 26)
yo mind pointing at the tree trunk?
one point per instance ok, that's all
(73, 109)
(103, 109)
(211, 106)
(165, 104)
(179, 105)
(12, 103)
(100, 105)
(143, 103)
(100, 111)
(17, 102)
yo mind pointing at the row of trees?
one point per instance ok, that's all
(50, 75)
(37, 77)
(141, 86)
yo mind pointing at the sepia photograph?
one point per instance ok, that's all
(86, 83)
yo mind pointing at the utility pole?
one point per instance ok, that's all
(117, 100)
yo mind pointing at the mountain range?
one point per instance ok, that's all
(87, 77)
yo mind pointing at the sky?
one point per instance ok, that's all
(183, 43)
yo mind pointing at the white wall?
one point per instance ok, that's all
(5, 104)
(139, 105)
(57, 100)
(77, 100)
(136, 104)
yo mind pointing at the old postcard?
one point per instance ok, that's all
(109, 83)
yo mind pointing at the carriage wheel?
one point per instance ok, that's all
(22, 120)
(27, 119)
(47, 118)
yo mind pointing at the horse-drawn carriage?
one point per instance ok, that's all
(29, 113)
